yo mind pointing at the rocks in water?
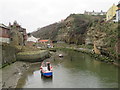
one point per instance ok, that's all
(20, 73)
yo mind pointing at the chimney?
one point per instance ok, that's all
(9, 24)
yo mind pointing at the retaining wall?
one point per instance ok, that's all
(33, 56)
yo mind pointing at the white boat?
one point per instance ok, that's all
(60, 55)
(46, 69)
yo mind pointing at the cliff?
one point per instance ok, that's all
(82, 29)
(47, 32)
(71, 30)
(105, 36)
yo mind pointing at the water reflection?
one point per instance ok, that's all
(46, 79)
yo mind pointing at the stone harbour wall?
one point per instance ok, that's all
(8, 55)
(33, 56)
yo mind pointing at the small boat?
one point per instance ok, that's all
(60, 55)
(46, 69)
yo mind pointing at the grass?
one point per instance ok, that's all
(85, 46)
(31, 52)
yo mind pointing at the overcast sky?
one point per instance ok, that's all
(32, 14)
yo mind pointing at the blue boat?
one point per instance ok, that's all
(46, 69)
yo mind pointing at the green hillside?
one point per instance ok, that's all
(82, 29)
(105, 35)
(47, 32)
(71, 30)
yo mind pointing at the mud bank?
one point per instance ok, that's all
(12, 73)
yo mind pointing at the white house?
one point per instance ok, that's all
(32, 39)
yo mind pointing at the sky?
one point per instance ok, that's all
(33, 14)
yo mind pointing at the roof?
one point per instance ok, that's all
(43, 40)
(3, 26)
(118, 4)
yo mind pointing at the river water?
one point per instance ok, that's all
(74, 70)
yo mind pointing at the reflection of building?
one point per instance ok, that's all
(95, 13)
(111, 13)
(4, 34)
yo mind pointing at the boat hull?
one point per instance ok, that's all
(60, 56)
(47, 74)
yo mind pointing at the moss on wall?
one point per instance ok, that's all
(8, 55)
(33, 56)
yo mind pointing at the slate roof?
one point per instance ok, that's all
(3, 26)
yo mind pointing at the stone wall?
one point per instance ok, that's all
(0, 55)
(8, 54)
(33, 56)
(16, 37)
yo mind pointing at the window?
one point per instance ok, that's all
(11, 39)
(4, 31)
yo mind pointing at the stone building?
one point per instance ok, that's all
(95, 13)
(18, 34)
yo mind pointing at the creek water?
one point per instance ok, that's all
(74, 70)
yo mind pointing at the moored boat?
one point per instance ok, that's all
(46, 69)
(60, 55)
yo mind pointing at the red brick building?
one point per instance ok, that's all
(4, 34)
